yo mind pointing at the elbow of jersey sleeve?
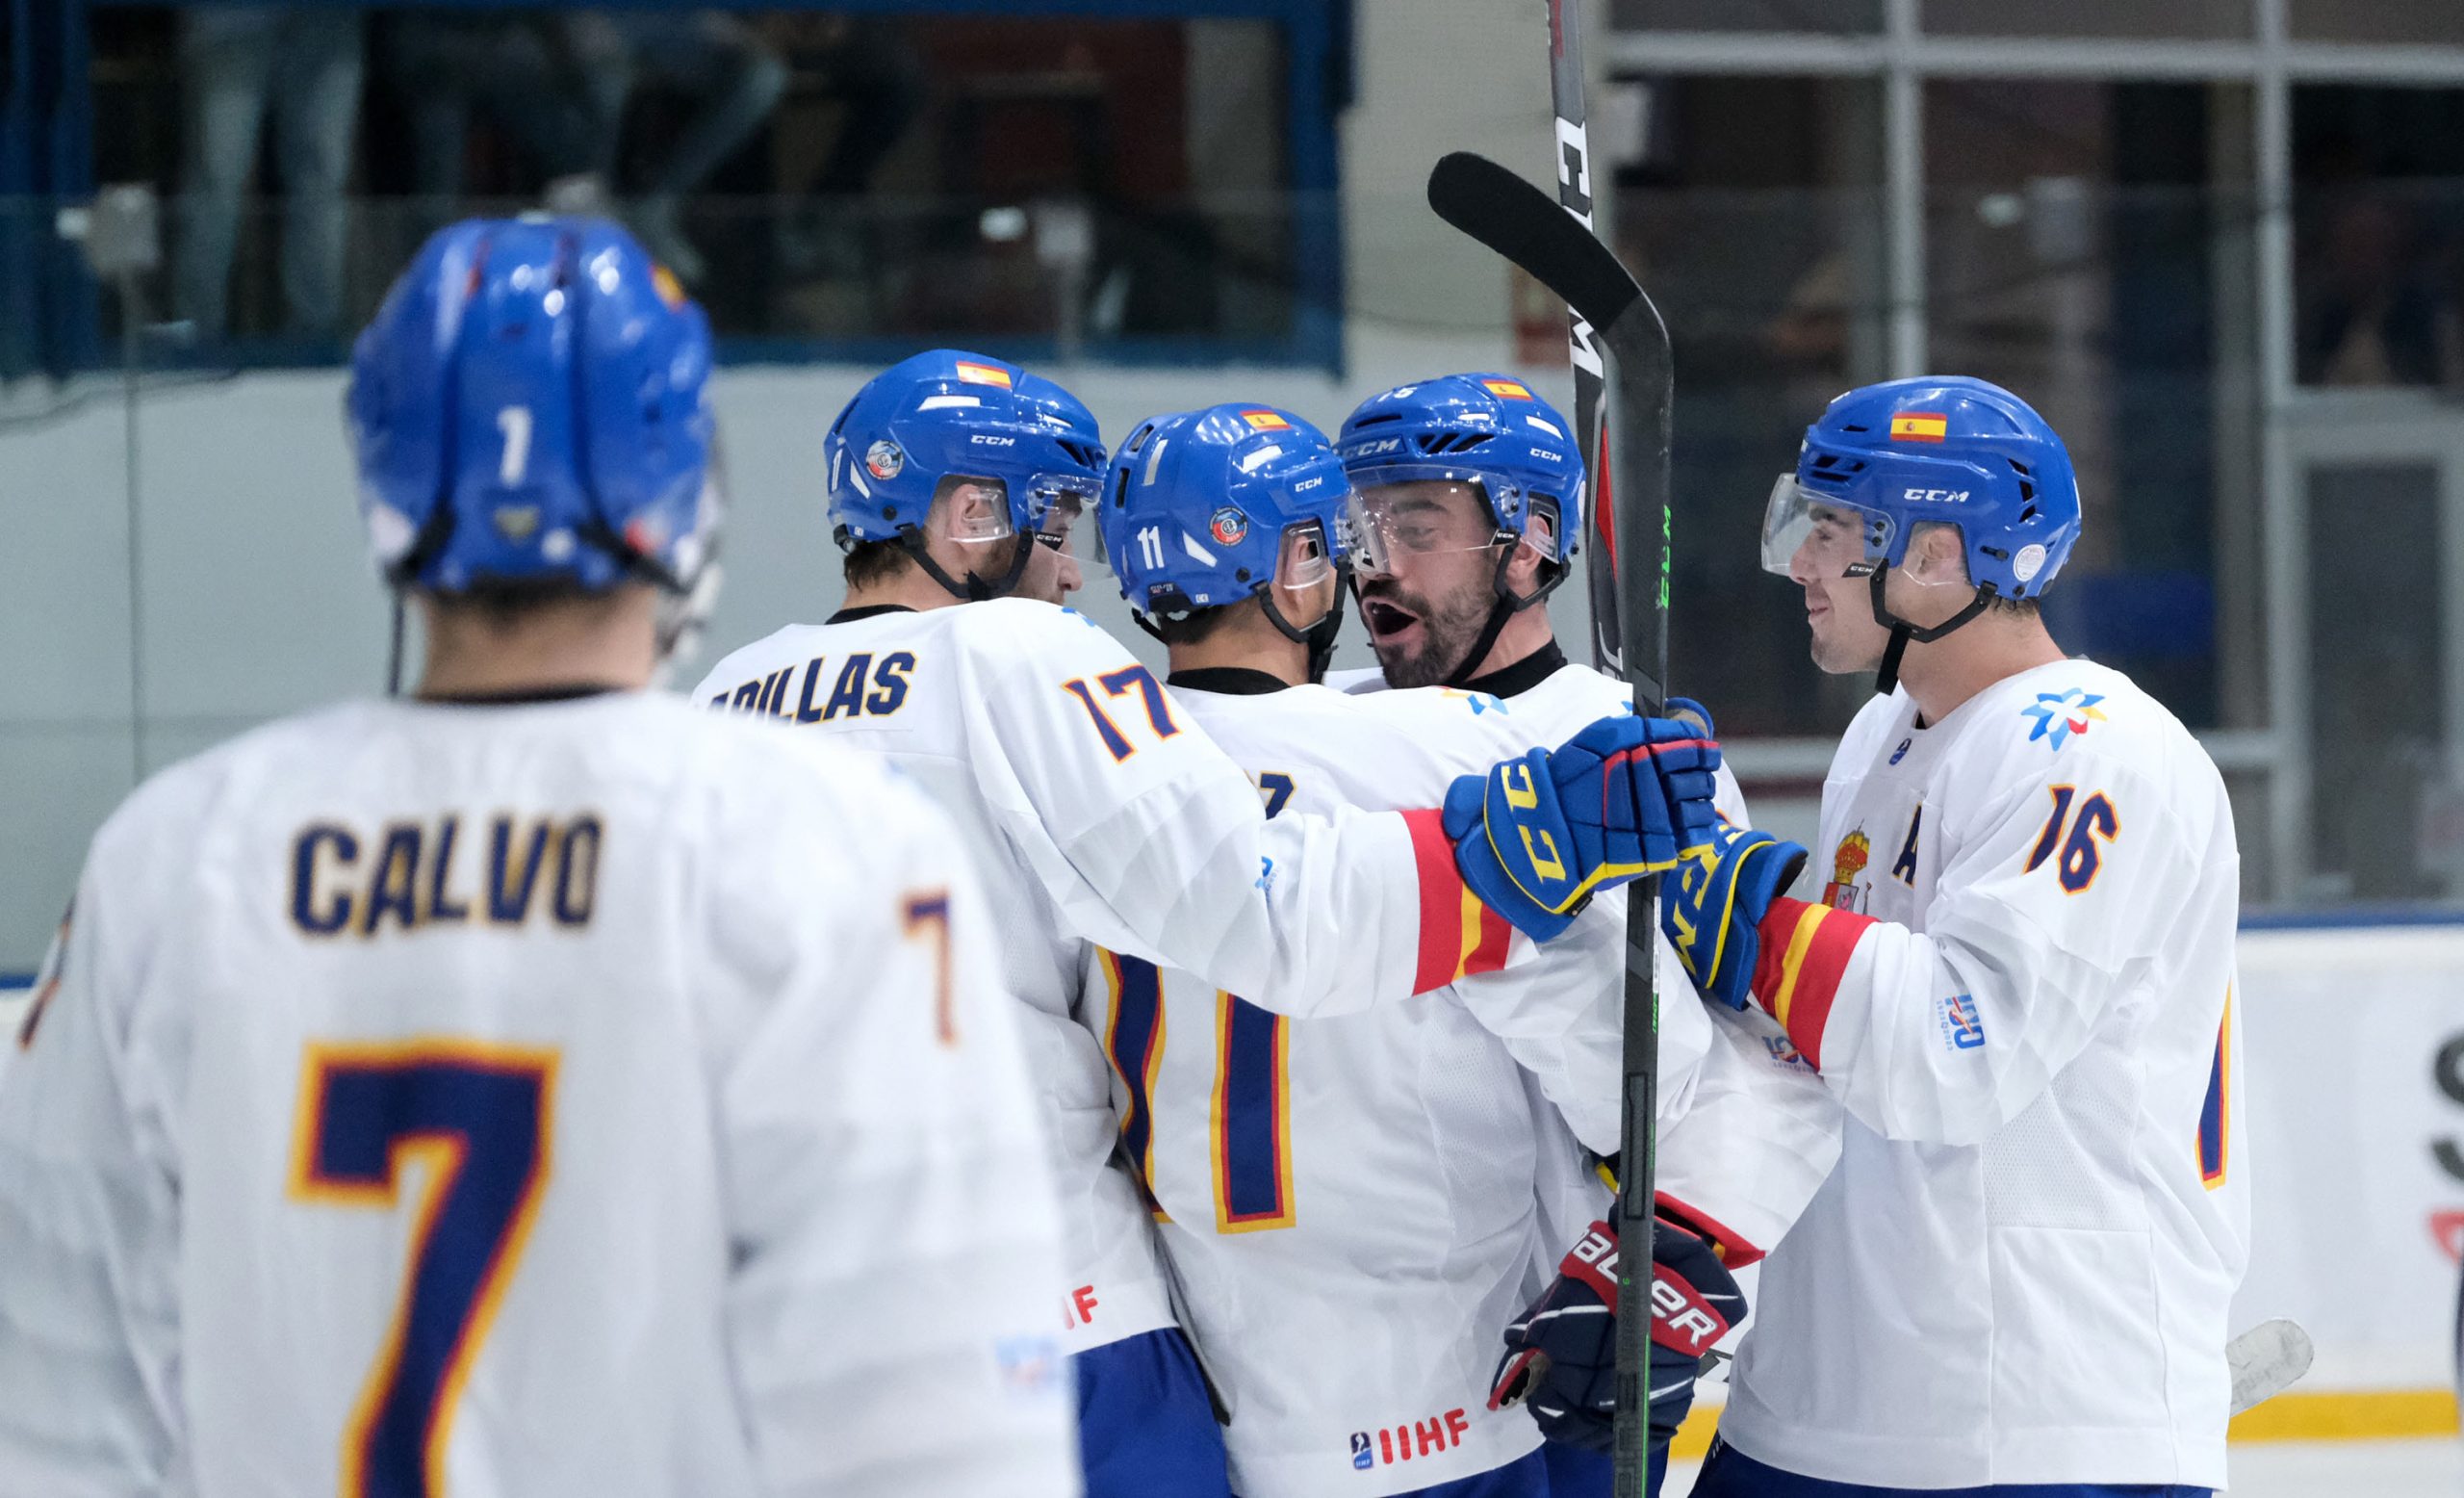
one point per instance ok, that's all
(1801, 966)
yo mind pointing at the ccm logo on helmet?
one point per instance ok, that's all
(986, 440)
(1372, 449)
(1934, 496)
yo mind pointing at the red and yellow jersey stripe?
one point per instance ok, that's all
(1804, 956)
(1459, 936)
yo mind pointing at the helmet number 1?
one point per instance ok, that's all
(1150, 546)
(514, 421)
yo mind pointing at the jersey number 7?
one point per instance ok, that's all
(478, 1117)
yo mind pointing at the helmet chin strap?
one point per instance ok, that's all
(1887, 676)
(975, 589)
(1319, 637)
(1506, 607)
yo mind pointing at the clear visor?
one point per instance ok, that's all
(1392, 518)
(1805, 535)
(1057, 526)
(971, 509)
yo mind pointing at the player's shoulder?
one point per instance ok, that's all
(1883, 714)
(1026, 629)
(165, 817)
(757, 658)
(2076, 718)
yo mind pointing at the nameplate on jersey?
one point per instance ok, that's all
(862, 686)
(445, 870)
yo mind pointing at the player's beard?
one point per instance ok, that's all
(1446, 635)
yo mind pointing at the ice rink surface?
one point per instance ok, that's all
(2305, 1469)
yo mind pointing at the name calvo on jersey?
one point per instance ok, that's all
(863, 688)
(424, 872)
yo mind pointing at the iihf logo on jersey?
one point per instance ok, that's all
(2061, 715)
(1361, 1459)
(1855, 851)
(1962, 1027)
(1901, 753)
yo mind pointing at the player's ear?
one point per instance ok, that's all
(1938, 553)
(1525, 568)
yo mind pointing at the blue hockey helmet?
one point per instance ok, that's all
(530, 405)
(1488, 432)
(1205, 508)
(943, 417)
(1885, 459)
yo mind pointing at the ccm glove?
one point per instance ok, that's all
(1536, 836)
(1561, 1357)
(1712, 909)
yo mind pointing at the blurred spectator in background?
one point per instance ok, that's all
(530, 74)
(2371, 313)
(304, 65)
(872, 73)
(733, 78)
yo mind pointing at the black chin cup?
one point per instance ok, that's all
(1508, 604)
(1886, 677)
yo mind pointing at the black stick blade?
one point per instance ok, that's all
(1526, 225)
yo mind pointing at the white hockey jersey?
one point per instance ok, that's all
(2019, 986)
(1351, 1203)
(578, 1098)
(1098, 813)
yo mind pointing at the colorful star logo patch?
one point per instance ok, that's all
(2060, 715)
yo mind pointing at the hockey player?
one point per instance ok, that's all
(1469, 512)
(1100, 814)
(1349, 1202)
(2019, 982)
(534, 1087)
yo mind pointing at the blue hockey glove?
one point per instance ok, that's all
(1536, 836)
(1561, 1357)
(1712, 909)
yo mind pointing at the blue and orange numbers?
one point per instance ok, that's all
(1249, 1127)
(1134, 1043)
(1117, 684)
(928, 915)
(1248, 1116)
(2081, 853)
(2216, 1112)
(477, 1118)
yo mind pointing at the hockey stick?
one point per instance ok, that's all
(2266, 1360)
(1567, 98)
(1518, 220)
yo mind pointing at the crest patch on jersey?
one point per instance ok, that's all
(2059, 715)
(1228, 526)
(1855, 852)
(884, 459)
